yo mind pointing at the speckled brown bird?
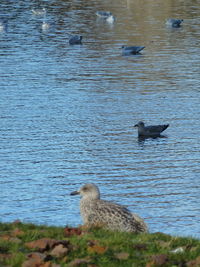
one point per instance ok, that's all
(95, 211)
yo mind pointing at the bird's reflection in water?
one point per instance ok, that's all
(142, 139)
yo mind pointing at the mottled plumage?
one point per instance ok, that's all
(152, 130)
(96, 211)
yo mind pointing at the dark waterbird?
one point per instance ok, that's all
(128, 50)
(150, 131)
(174, 23)
(75, 39)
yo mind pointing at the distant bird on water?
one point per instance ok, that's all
(45, 25)
(150, 131)
(128, 50)
(95, 211)
(174, 23)
(3, 25)
(75, 39)
(103, 14)
(38, 12)
(106, 15)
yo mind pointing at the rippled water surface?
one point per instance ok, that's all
(67, 112)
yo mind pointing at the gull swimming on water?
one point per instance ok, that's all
(75, 39)
(174, 23)
(150, 131)
(95, 211)
(127, 50)
(39, 12)
(103, 14)
(106, 15)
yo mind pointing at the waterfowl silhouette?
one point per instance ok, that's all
(174, 23)
(39, 12)
(96, 211)
(75, 39)
(128, 50)
(150, 131)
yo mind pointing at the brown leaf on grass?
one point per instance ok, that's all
(41, 244)
(70, 231)
(65, 243)
(59, 251)
(159, 259)
(32, 263)
(37, 262)
(36, 259)
(97, 249)
(194, 263)
(122, 255)
(78, 262)
(149, 264)
(5, 237)
(45, 264)
(37, 256)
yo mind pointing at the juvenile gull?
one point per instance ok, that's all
(75, 39)
(174, 23)
(127, 50)
(150, 131)
(95, 211)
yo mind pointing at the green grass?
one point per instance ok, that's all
(98, 247)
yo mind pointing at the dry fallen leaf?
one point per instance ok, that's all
(41, 244)
(159, 259)
(69, 231)
(97, 249)
(194, 263)
(59, 251)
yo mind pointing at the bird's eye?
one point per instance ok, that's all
(84, 188)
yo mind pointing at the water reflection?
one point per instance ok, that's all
(142, 139)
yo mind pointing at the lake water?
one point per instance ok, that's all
(67, 112)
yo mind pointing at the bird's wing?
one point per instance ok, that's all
(156, 128)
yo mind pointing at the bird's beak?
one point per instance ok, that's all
(74, 193)
(136, 125)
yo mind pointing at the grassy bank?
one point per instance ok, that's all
(29, 245)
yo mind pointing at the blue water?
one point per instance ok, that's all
(67, 112)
